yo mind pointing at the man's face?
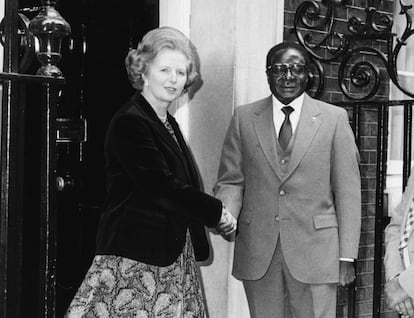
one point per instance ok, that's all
(287, 75)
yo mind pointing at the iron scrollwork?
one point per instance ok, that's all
(358, 77)
(26, 40)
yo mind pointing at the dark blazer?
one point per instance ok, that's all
(153, 190)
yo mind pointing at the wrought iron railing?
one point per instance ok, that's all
(364, 75)
(44, 33)
(361, 70)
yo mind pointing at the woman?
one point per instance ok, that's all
(151, 231)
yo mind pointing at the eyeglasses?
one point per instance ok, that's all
(280, 69)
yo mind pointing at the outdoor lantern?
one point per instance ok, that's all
(48, 28)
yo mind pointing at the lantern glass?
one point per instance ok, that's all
(48, 28)
(48, 53)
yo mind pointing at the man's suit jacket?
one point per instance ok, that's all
(393, 260)
(153, 190)
(314, 208)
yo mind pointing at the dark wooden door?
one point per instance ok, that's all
(96, 85)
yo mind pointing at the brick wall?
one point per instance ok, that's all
(367, 145)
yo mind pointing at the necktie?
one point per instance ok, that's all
(409, 225)
(285, 132)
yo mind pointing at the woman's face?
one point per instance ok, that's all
(165, 77)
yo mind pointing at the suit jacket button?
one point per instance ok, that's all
(282, 192)
(277, 218)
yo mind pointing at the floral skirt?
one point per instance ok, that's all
(120, 287)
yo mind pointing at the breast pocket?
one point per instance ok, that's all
(323, 221)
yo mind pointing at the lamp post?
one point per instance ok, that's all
(48, 28)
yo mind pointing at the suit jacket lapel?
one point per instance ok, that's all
(308, 125)
(265, 131)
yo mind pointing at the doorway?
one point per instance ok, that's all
(96, 86)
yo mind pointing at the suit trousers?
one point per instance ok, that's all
(278, 294)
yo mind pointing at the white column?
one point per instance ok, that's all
(232, 38)
(259, 26)
(2, 8)
(176, 13)
(213, 31)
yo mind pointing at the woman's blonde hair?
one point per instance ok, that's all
(137, 60)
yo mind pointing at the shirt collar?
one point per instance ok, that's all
(296, 103)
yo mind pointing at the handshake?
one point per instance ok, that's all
(227, 224)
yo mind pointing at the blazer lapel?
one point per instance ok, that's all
(179, 150)
(308, 125)
(144, 107)
(186, 155)
(169, 140)
(265, 131)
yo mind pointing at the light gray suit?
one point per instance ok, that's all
(313, 209)
(394, 263)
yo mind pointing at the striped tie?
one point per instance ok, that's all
(408, 227)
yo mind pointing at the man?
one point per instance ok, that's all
(293, 182)
(399, 255)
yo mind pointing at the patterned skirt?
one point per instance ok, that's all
(120, 287)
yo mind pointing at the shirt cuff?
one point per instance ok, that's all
(346, 259)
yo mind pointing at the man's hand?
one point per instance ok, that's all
(346, 273)
(406, 307)
(398, 299)
(227, 224)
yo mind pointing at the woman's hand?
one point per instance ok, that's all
(227, 224)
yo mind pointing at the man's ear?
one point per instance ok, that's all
(311, 80)
(268, 76)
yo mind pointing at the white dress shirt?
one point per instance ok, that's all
(279, 115)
